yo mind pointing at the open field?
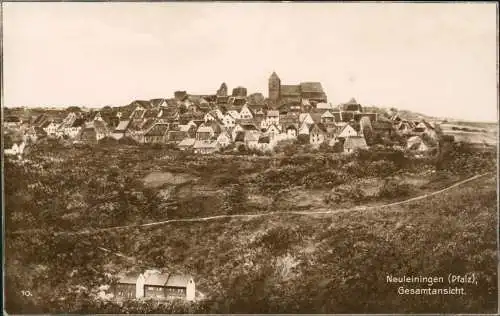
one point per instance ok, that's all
(323, 263)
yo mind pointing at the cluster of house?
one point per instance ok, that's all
(153, 284)
(209, 123)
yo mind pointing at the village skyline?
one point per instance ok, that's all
(95, 54)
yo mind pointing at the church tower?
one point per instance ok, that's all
(222, 92)
(274, 87)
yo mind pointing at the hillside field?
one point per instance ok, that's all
(280, 263)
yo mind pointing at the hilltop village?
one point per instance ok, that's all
(226, 121)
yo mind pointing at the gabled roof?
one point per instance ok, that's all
(327, 114)
(159, 129)
(122, 126)
(355, 142)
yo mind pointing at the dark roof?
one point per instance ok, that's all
(355, 142)
(249, 127)
(264, 140)
(159, 129)
(311, 87)
(274, 75)
(12, 119)
(238, 101)
(78, 122)
(290, 90)
(240, 136)
(222, 99)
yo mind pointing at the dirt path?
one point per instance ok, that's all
(203, 219)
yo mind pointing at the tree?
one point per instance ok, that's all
(73, 109)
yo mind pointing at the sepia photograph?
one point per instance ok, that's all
(163, 157)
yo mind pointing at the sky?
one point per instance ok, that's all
(436, 59)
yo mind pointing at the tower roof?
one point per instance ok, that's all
(274, 76)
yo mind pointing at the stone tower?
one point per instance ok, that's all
(222, 92)
(274, 87)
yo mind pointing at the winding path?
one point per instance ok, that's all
(203, 219)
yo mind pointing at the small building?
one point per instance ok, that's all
(318, 134)
(224, 139)
(347, 131)
(157, 134)
(327, 117)
(246, 113)
(153, 284)
(129, 286)
(120, 130)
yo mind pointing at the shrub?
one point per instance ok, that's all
(345, 193)
(393, 189)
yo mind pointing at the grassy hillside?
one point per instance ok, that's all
(284, 263)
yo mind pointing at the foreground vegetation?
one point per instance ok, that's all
(276, 264)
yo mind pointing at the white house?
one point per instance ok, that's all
(51, 129)
(228, 120)
(272, 131)
(245, 113)
(224, 139)
(15, 149)
(210, 116)
(304, 129)
(347, 131)
(305, 118)
(234, 114)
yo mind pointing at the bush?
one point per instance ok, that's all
(345, 193)
(393, 189)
